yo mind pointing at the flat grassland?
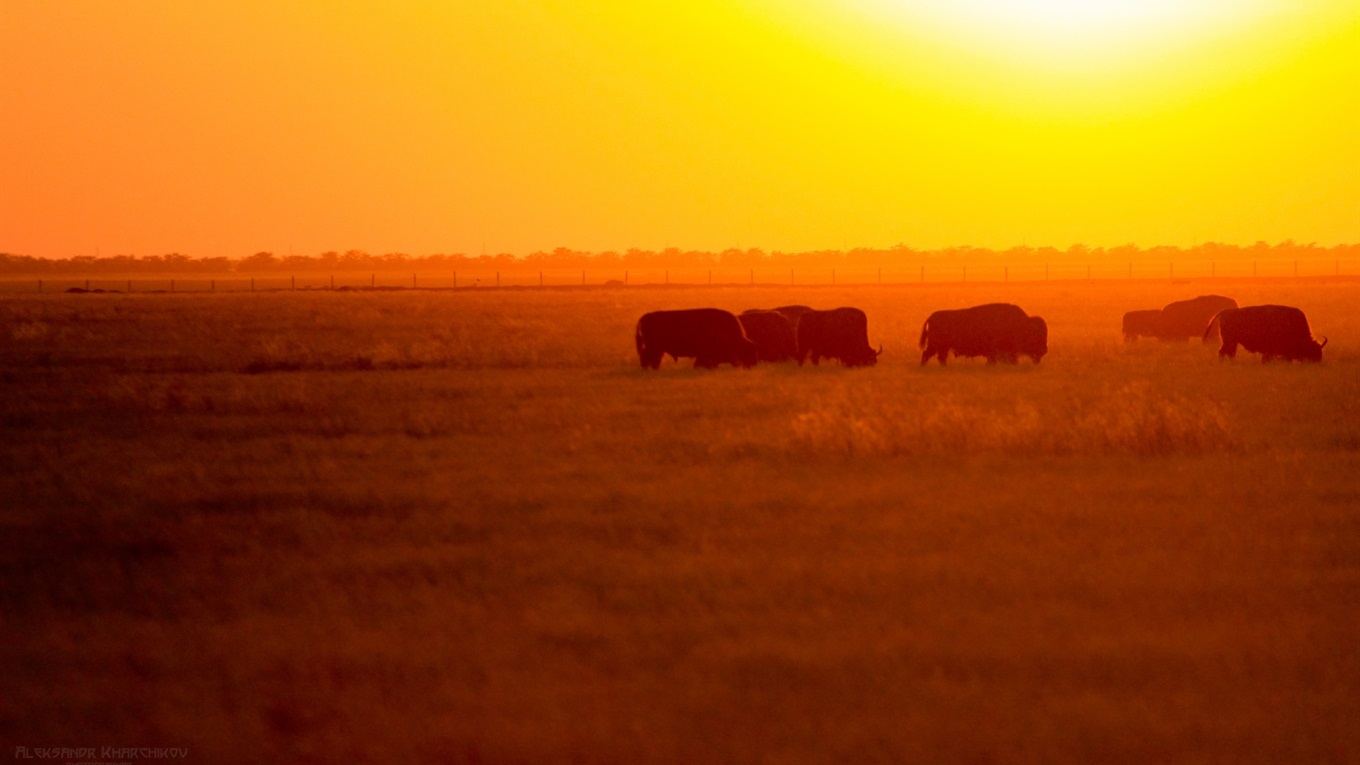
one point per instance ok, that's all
(467, 527)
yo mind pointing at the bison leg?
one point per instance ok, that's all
(1227, 350)
(651, 360)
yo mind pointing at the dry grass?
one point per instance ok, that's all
(1130, 419)
(380, 527)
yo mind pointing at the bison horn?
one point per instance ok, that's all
(878, 352)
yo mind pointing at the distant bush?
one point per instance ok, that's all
(562, 259)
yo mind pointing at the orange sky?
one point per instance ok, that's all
(225, 128)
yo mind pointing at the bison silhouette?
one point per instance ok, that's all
(996, 331)
(710, 336)
(772, 333)
(841, 333)
(1274, 331)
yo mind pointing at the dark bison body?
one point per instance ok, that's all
(841, 333)
(1142, 324)
(710, 335)
(1274, 331)
(997, 331)
(772, 333)
(793, 313)
(1185, 319)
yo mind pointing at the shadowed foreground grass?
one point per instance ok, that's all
(467, 528)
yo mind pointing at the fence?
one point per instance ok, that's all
(932, 273)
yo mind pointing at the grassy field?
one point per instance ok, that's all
(467, 527)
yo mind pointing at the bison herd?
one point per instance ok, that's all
(996, 332)
(1274, 331)
(793, 332)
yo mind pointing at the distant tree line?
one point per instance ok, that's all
(563, 258)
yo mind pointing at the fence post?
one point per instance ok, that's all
(790, 277)
(583, 278)
(455, 280)
(625, 277)
(498, 278)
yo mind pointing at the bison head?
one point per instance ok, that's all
(1313, 351)
(1034, 338)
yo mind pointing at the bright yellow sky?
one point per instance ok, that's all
(225, 128)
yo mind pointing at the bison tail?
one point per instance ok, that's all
(925, 333)
(637, 339)
(1209, 329)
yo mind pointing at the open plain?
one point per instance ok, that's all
(409, 526)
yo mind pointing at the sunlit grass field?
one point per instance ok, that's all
(468, 527)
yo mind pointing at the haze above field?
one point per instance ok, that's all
(224, 129)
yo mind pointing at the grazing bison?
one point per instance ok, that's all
(772, 333)
(998, 331)
(710, 335)
(1274, 331)
(1185, 319)
(1142, 324)
(841, 333)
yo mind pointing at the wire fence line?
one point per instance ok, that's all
(930, 273)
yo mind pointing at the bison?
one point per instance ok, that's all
(1185, 319)
(710, 335)
(841, 333)
(997, 331)
(1142, 324)
(773, 334)
(1274, 331)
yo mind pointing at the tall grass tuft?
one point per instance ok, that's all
(1130, 419)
